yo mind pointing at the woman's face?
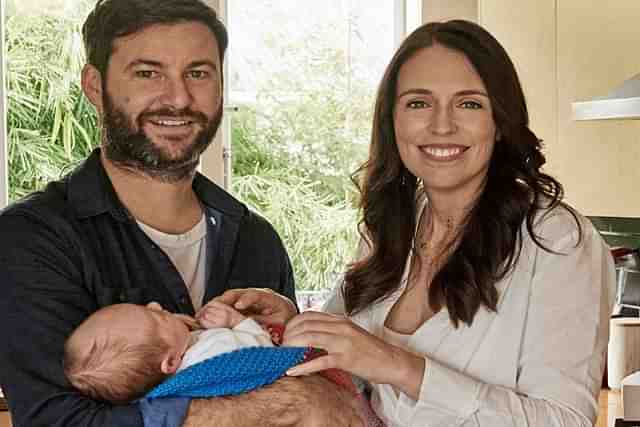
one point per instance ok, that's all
(443, 121)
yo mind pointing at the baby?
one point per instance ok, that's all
(122, 351)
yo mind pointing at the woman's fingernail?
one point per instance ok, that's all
(293, 372)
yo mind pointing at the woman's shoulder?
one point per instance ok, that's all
(562, 222)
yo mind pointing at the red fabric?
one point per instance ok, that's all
(276, 332)
(338, 376)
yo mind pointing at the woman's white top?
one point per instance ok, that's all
(537, 361)
(397, 339)
(212, 342)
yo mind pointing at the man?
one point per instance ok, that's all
(136, 223)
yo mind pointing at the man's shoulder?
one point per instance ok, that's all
(49, 204)
(36, 224)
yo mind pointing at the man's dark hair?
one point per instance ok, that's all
(111, 19)
(516, 189)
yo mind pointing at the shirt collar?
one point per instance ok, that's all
(91, 192)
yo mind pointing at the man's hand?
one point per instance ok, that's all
(311, 401)
(263, 305)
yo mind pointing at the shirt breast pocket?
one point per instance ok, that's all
(108, 296)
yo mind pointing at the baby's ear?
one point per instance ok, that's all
(170, 364)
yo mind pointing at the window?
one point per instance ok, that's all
(3, 122)
(301, 82)
(300, 86)
(50, 126)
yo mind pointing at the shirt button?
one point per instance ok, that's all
(183, 299)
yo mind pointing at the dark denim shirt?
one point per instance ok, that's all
(73, 248)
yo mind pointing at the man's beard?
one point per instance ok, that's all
(134, 150)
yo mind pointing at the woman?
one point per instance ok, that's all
(478, 297)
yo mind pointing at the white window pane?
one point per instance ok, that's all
(414, 15)
(304, 76)
(286, 53)
(4, 186)
(50, 126)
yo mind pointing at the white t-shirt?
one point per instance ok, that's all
(188, 252)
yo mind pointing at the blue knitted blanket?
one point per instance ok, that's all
(231, 373)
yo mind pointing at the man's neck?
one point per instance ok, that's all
(168, 207)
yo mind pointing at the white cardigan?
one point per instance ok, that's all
(538, 361)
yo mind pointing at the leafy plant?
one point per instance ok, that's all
(317, 231)
(292, 166)
(316, 224)
(51, 125)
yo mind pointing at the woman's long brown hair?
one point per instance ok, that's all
(516, 190)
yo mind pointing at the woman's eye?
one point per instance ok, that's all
(471, 104)
(417, 104)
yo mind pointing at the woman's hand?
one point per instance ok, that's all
(352, 349)
(264, 305)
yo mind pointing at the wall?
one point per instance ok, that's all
(597, 50)
(442, 10)
(569, 50)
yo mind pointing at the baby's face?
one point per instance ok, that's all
(172, 327)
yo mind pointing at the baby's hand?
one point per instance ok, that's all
(218, 315)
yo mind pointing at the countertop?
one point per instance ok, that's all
(609, 402)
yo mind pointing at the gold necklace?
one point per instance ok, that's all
(426, 242)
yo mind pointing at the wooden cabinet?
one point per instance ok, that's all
(610, 408)
(572, 50)
(5, 419)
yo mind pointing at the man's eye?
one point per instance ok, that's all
(198, 74)
(417, 104)
(146, 74)
(471, 104)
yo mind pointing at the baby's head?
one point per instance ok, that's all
(122, 351)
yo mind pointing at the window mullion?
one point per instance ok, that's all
(4, 140)
(399, 21)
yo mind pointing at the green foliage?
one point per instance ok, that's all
(317, 232)
(51, 126)
(291, 166)
(296, 147)
(316, 224)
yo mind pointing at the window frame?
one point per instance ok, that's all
(223, 161)
(4, 173)
(217, 162)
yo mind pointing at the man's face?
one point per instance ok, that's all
(162, 99)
